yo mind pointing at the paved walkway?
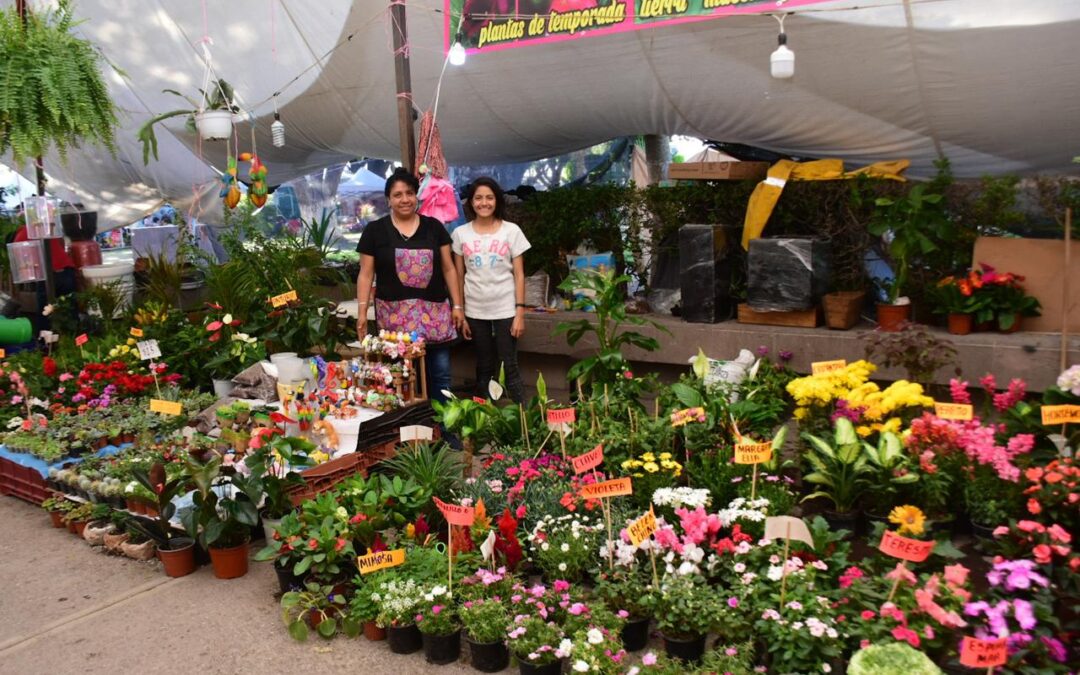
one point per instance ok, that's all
(70, 608)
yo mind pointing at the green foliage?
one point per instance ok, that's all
(219, 97)
(53, 92)
(607, 302)
(224, 505)
(894, 658)
(318, 604)
(839, 468)
(435, 467)
(318, 233)
(917, 225)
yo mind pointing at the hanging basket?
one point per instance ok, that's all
(214, 125)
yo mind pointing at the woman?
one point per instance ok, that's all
(487, 254)
(408, 255)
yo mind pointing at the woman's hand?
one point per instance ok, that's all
(466, 330)
(459, 318)
(517, 328)
(361, 327)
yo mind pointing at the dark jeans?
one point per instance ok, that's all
(494, 345)
(437, 363)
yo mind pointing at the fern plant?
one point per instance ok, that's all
(53, 92)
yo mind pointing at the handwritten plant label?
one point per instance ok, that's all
(683, 417)
(166, 407)
(81, 340)
(416, 432)
(373, 562)
(455, 514)
(148, 349)
(642, 528)
(283, 299)
(561, 415)
(609, 488)
(1060, 414)
(3, 353)
(136, 332)
(788, 527)
(753, 453)
(588, 460)
(905, 548)
(961, 412)
(825, 367)
(975, 653)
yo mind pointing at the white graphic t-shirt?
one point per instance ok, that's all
(489, 269)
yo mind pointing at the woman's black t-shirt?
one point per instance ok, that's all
(402, 270)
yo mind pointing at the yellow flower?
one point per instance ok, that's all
(410, 530)
(665, 455)
(863, 430)
(651, 467)
(649, 457)
(910, 519)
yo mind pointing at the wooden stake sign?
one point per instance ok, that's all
(786, 528)
(961, 412)
(824, 367)
(617, 487)
(148, 349)
(748, 452)
(81, 340)
(975, 653)
(683, 417)
(283, 299)
(373, 562)
(642, 528)
(561, 415)
(416, 433)
(588, 460)
(1060, 414)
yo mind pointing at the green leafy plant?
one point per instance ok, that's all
(316, 604)
(686, 607)
(224, 505)
(275, 468)
(890, 468)
(435, 467)
(916, 222)
(894, 658)
(319, 233)
(219, 96)
(164, 490)
(485, 620)
(53, 92)
(840, 467)
(608, 303)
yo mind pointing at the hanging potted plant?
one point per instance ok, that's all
(54, 94)
(910, 225)
(223, 514)
(212, 118)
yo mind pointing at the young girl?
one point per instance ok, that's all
(487, 254)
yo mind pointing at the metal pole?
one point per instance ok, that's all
(403, 76)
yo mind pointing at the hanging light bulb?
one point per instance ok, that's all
(457, 52)
(782, 61)
(277, 132)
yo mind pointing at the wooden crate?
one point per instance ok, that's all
(808, 318)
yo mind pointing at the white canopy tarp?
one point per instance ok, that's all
(991, 84)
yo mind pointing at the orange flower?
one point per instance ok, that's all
(1034, 474)
(1034, 507)
(1053, 477)
(965, 288)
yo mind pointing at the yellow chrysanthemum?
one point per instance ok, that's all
(651, 467)
(649, 457)
(910, 518)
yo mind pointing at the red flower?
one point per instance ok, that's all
(48, 366)
(340, 544)
(1042, 554)
(313, 543)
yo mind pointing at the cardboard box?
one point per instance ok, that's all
(718, 170)
(1042, 263)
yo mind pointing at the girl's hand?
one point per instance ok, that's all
(466, 330)
(517, 328)
(459, 318)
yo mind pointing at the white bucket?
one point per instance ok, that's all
(99, 275)
(223, 388)
(214, 125)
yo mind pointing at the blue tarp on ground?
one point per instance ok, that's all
(42, 467)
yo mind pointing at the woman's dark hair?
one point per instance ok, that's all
(401, 175)
(500, 198)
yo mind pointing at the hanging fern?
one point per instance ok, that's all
(51, 88)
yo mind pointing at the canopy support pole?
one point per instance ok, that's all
(406, 117)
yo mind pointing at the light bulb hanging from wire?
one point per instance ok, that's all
(277, 131)
(457, 52)
(782, 60)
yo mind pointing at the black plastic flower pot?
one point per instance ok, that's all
(488, 657)
(689, 651)
(442, 649)
(404, 639)
(635, 634)
(545, 669)
(287, 580)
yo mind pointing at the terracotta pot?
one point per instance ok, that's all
(960, 324)
(57, 518)
(373, 632)
(143, 551)
(113, 541)
(230, 563)
(80, 527)
(890, 317)
(179, 559)
(150, 510)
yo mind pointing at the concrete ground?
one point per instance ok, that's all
(68, 608)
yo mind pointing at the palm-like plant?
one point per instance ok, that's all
(889, 469)
(840, 468)
(432, 466)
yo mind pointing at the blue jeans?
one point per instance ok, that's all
(437, 362)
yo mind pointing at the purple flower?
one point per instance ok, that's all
(762, 351)
(733, 602)
(1056, 649)
(785, 355)
(1015, 574)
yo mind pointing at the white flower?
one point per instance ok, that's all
(594, 636)
(774, 573)
(565, 647)
(831, 632)
(687, 568)
(634, 670)
(580, 666)
(438, 590)
(826, 668)
(565, 547)
(227, 318)
(797, 625)
(47, 310)
(545, 546)
(341, 513)
(562, 567)
(576, 535)
(739, 568)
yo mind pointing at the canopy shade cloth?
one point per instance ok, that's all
(989, 83)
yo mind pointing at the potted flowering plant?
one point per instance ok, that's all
(564, 547)
(486, 622)
(629, 591)
(231, 351)
(177, 554)
(222, 516)
(439, 626)
(538, 645)
(597, 650)
(687, 608)
(398, 600)
(955, 298)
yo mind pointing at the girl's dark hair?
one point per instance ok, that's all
(401, 175)
(500, 198)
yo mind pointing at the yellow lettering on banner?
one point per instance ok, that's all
(823, 367)
(753, 453)
(651, 9)
(642, 528)
(571, 22)
(961, 412)
(283, 299)
(501, 32)
(1060, 414)
(373, 562)
(713, 4)
(166, 407)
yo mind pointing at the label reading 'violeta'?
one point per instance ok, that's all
(609, 488)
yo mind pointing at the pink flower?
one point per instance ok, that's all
(1030, 526)
(867, 615)
(902, 573)
(1000, 531)
(1058, 533)
(577, 608)
(436, 609)
(988, 382)
(649, 659)
(64, 377)
(520, 512)
(958, 389)
(956, 575)
(905, 634)
(561, 586)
